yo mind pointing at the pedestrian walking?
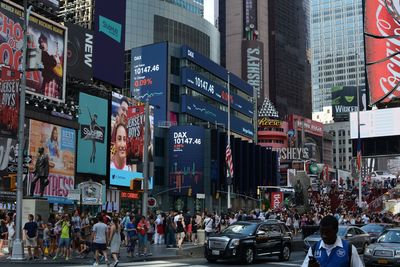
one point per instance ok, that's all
(11, 234)
(331, 250)
(132, 236)
(115, 237)
(100, 231)
(142, 228)
(30, 235)
(64, 244)
(180, 231)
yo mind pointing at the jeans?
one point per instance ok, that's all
(170, 239)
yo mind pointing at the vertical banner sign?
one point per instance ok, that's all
(92, 137)
(46, 50)
(276, 200)
(381, 28)
(9, 103)
(149, 77)
(8, 156)
(127, 140)
(186, 160)
(79, 52)
(253, 70)
(250, 15)
(59, 144)
(109, 41)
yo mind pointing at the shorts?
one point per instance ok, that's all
(142, 239)
(10, 244)
(31, 242)
(46, 243)
(64, 243)
(180, 235)
(99, 247)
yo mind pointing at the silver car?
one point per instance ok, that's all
(385, 251)
(358, 237)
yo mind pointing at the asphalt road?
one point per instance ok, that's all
(296, 259)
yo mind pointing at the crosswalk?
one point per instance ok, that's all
(151, 264)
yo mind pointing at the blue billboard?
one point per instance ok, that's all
(215, 91)
(186, 160)
(204, 111)
(214, 68)
(109, 42)
(149, 77)
(92, 136)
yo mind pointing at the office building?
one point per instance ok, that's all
(342, 146)
(336, 40)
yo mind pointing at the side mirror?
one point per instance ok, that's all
(260, 232)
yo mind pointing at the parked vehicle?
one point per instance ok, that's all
(381, 176)
(247, 240)
(376, 229)
(358, 237)
(385, 251)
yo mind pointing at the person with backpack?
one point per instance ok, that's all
(331, 250)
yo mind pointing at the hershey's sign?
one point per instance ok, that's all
(293, 153)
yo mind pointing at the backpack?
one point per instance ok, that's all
(349, 249)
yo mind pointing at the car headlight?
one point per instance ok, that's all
(234, 243)
(368, 251)
(397, 253)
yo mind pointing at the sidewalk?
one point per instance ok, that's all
(159, 252)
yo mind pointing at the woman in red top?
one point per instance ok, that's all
(142, 228)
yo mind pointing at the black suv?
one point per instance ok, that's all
(247, 240)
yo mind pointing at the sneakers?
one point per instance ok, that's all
(44, 258)
(115, 264)
(95, 264)
(55, 257)
(9, 258)
(66, 258)
(108, 263)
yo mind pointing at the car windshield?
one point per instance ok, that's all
(342, 231)
(244, 229)
(392, 236)
(379, 173)
(373, 228)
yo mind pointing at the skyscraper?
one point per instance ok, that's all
(279, 30)
(336, 43)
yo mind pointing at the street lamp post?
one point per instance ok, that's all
(146, 159)
(18, 249)
(359, 159)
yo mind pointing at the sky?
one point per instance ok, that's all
(209, 11)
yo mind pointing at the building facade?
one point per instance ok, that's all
(279, 30)
(342, 145)
(337, 46)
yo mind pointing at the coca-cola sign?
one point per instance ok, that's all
(381, 47)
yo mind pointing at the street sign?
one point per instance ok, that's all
(151, 202)
(200, 196)
(74, 194)
(14, 169)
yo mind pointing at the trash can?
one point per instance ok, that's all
(201, 236)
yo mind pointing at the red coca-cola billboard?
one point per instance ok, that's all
(382, 43)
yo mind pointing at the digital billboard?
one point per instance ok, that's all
(149, 77)
(59, 144)
(250, 15)
(54, 4)
(253, 66)
(186, 160)
(93, 135)
(79, 52)
(8, 155)
(381, 48)
(109, 41)
(127, 140)
(46, 46)
(9, 104)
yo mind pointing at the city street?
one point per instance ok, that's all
(296, 260)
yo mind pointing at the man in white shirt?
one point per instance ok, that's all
(331, 250)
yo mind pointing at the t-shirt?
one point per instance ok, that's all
(76, 222)
(131, 226)
(100, 229)
(46, 234)
(10, 230)
(143, 227)
(31, 229)
(65, 230)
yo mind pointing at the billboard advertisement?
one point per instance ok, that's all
(109, 41)
(79, 52)
(250, 15)
(212, 89)
(149, 77)
(9, 104)
(186, 160)
(276, 200)
(59, 144)
(127, 140)
(47, 50)
(344, 101)
(381, 27)
(253, 66)
(376, 123)
(8, 155)
(92, 136)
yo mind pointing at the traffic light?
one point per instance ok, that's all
(136, 185)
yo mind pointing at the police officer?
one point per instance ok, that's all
(332, 251)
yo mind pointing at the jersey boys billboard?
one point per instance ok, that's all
(47, 51)
(149, 77)
(92, 141)
(186, 157)
(382, 43)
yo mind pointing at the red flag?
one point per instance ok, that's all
(359, 160)
(228, 159)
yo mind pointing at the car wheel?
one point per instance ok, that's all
(248, 256)
(285, 253)
(211, 260)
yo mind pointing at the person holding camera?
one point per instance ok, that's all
(331, 250)
(64, 245)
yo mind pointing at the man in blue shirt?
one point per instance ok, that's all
(332, 251)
